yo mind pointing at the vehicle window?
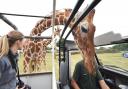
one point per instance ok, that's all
(115, 56)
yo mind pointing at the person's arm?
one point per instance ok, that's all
(101, 81)
(74, 84)
(103, 85)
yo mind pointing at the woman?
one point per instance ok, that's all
(9, 45)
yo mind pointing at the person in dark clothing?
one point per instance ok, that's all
(83, 80)
(9, 45)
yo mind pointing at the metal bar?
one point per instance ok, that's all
(53, 46)
(77, 6)
(35, 74)
(38, 37)
(87, 10)
(73, 49)
(8, 22)
(24, 15)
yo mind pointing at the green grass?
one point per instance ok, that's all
(106, 59)
(115, 59)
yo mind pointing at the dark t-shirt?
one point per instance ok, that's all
(83, 79)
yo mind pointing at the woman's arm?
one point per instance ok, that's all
(74, 84)
(103, 85)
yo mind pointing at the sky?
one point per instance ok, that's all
(111, 15)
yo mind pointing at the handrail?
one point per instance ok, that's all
(38, 37)
(8, 22)
(25, 15)
(76, 8)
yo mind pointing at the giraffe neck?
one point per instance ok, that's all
(44, 24)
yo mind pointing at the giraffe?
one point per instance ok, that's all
(84, 40)
(83, 36)
(35, 53)
(30, 51)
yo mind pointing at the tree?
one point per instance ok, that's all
(121, 47)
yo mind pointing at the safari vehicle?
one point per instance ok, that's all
(108, 56)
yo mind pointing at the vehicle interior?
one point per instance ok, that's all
(115, 75)
(114, 71)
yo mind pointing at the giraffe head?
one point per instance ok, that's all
(57, 31)
(68, 12)
(83, 36)
(85, 30)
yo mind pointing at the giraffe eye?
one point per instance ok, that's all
(84, 29)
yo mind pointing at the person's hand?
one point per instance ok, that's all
(74, 84)
(103, 85)
(20, 88)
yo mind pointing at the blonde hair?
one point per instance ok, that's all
(8, 40)
(4, 46)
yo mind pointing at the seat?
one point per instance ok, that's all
(64, 82)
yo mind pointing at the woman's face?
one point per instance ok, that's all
(20, 44)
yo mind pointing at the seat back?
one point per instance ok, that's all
(64, 72)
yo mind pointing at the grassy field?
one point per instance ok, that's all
(106, 59)
(114, 59)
